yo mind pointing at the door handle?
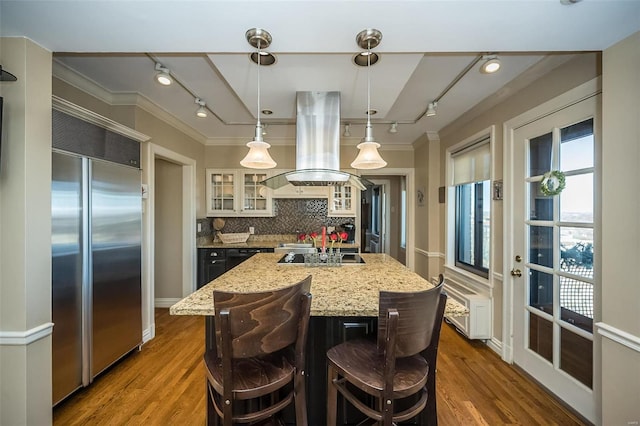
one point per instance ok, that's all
(516, 273)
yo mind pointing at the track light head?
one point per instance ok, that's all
(393, 128)
(347, 130)
(431, 109)
(201, 112)
(491, 64)
(163, 75)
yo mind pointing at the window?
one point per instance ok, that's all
(472, 227)
(470, 179)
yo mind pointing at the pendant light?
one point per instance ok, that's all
(258, 156)
(368, 156)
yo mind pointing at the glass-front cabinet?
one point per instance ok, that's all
(221, 193)
(234, 192)
(343, 201)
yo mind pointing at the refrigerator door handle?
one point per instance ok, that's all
(87, 272)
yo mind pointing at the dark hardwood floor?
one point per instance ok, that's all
(164, 384)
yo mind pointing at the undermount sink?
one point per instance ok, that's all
(295, 248)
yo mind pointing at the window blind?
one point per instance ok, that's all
(472, 164)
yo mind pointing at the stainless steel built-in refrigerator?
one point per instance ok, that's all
(96, 268)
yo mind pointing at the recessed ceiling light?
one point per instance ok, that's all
(266, 58)
(266, 112)
(360, 59)
(371, 112)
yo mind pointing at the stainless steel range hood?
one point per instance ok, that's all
(317, 145)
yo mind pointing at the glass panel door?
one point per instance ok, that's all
(255, 195)
(553, 237)
(222, 197)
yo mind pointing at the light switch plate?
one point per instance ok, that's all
(252, 230)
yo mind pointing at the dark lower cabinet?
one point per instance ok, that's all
(324, 333)
(211, 264)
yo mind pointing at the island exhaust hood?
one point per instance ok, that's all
(317, 145)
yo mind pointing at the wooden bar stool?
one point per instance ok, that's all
(260, 355)
(395, 367)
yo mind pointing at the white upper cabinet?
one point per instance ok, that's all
(343, 200)
(233, 192)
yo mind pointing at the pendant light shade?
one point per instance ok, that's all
(368, 155)
(258, 156)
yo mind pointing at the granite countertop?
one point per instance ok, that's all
(350, 290)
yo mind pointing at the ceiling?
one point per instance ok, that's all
(109, 48)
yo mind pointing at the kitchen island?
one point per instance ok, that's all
(344, 306)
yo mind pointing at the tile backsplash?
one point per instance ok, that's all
(290, 216)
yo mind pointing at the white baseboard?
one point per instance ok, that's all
(165, 302)
(495, 345)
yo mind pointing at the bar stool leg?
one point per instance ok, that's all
(332, 396)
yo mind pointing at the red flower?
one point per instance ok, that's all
(333, 236)
(313, 236)
(302, 237)
(343, 236)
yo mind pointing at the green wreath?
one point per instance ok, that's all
(552, 183)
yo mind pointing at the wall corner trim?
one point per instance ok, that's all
(619, 336)
(23, 338)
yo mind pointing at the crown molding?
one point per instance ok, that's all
(153, 109)
(77, 111)
(433, 136)
(92, 88)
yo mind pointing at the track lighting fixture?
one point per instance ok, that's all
(368, 155)
(201, 112)
(163, 76)
(491, 64)
(258, 156)
(393, 128)
(347, 130)
(431, 109)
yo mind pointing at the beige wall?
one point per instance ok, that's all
(168, 234)
(621, 230)
(25, 231)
